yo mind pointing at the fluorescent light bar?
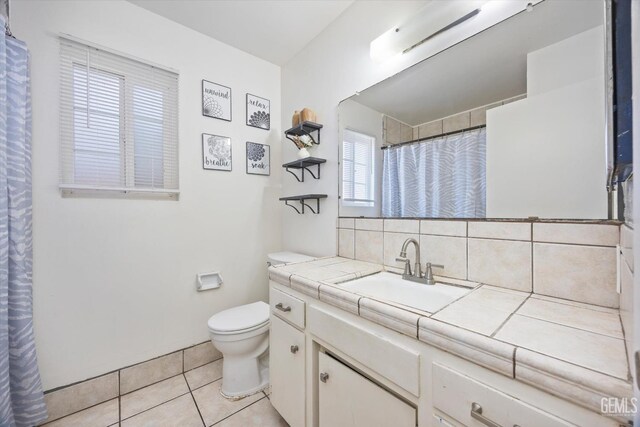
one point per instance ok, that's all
(433, 19)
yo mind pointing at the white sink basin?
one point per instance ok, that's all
(391, 287)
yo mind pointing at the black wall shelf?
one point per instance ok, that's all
(304, 164)
(302, 199)
(304, 128)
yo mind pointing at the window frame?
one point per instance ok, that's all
(358, 203)
(167, 90)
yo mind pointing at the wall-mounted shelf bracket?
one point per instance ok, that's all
(302, 199)
(304, 128)
(302, 165)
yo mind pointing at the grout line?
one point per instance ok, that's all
(80, 410)
(532, 262)
(149, 385)
(574, 327)
(509, 317)
(119, 400)
(239, 410)
(193, 398)
(155, 406)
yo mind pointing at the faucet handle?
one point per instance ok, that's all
(429, 273)
(407, 264)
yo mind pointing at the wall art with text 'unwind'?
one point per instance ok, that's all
(216, 152)
(258, 112)
(216, 101)
(258, 159)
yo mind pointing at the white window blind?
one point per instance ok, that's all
(357, 168)
(118, 123)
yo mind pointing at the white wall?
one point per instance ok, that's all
(333, 67)
(114, 279)
(545, 153)
(360, 118)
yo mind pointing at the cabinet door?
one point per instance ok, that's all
(286, 371)
(347, 399)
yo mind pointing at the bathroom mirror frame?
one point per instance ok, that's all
(610, 183)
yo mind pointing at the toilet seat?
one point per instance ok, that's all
(240, 320)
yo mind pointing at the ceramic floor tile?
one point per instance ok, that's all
(102, 415)
(204, 374)
(575, 317)
(153, 395)
(482, 311)
(180, 412)
(260, 414)
(214, 407)
(593, 351)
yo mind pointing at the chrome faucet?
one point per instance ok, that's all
(416, 275)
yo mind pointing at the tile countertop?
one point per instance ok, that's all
(573, 350)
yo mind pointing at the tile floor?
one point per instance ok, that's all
(189, 399)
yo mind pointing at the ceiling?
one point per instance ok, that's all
(272, 30)
(489, 67)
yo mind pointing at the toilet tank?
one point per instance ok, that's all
(278, 258)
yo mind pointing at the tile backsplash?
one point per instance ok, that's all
(569, 260)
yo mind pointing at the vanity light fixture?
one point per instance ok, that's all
(435, 18)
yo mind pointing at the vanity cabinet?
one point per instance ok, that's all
(348, 399)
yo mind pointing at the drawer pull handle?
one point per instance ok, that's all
(476, 414)
(294, 349)
(281, 307)
(324, 377)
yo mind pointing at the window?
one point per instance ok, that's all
(357, 169)
(118, 123)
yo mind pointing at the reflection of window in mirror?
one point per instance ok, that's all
(358, 169)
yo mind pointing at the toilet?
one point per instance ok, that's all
(241, 334)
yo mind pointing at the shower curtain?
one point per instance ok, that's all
(439, 178)
(21, 399)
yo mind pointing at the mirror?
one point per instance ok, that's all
(510, 123)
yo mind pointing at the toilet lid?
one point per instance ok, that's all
(240, 318)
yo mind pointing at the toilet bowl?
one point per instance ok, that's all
(241, 334)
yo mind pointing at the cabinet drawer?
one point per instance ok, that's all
(287, 307)
(455, 394)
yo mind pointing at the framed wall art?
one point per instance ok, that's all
(258, 112)
(216, 101)
(258, 159)
(216, 152)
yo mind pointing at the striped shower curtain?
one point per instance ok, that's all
(21, 399)
(439, 178)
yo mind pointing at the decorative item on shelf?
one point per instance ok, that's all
(258, 159)
(216, 101)
(302, 142)
(216, 152)
(308, 115)
(258, 112)
(295, 120)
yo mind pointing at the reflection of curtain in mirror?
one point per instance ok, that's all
(439, 178)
